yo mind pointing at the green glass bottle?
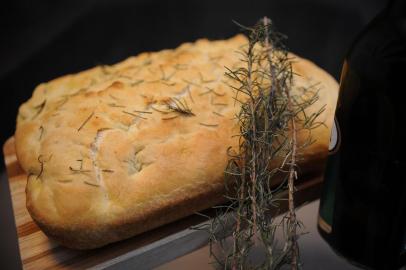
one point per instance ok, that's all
(362, 211)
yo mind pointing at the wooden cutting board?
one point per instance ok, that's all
(144, 251)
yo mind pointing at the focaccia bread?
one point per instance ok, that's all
(117, 150)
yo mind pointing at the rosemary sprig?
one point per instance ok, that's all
(158, 110)
(61, 102)
(218, 114)
(219, 104)
(91, 183)
(39, 108)
(170, 117)
(190, 93)
(114, 97)
(137, 82)
(179, 106)
(114, 105)
(168, 83)
(85, 122)
(42, 162)
(41, 132)
(165, 77)
(80, 170)
(41, 166)
(134, 115)
(142, 111)
(270, 117)
(81, 163)
(64, 180)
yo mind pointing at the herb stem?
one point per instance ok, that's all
(85, 122)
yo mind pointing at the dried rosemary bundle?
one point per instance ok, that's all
(270, 118)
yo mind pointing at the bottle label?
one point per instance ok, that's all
(324, 225)
(325, 219)
(335, 138)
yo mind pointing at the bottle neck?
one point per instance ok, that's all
(396, 8)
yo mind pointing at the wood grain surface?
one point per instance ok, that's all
(144, 251)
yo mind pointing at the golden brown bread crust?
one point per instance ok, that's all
(105, 159)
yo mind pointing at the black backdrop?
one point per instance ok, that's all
(41, 40)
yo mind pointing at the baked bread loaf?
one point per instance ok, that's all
(117, 150)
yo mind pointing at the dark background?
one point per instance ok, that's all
(41, 40)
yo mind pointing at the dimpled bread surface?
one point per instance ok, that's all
(107, 158)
